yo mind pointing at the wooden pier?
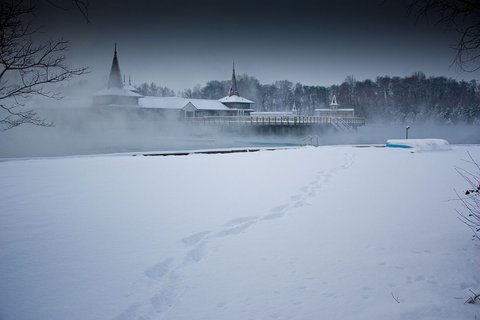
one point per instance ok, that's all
(291, 121)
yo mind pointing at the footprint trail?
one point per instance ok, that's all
(166, 275)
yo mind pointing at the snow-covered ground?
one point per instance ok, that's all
(308, 233)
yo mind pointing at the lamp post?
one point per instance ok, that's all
(406, 132)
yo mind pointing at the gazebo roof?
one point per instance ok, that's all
(117, 92)
(235, 99)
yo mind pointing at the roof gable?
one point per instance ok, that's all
(235, 99)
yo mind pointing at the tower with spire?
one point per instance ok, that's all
(115, 79)
(233, 88)
(116, 94)
(234, 101)
(334, 111)
(334, 103)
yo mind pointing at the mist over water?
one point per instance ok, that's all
(84, 131)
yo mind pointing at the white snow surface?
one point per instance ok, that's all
(308, 233)
(420, 144)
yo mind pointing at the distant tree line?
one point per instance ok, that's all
(401, 99)
(152, 89)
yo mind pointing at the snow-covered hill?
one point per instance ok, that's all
(309, 233)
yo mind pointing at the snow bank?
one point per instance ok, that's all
(308, 233)
(419, 144)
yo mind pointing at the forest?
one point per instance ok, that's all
(397, 99)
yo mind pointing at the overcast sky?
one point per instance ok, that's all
(181, 43)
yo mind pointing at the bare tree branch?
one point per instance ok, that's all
(81, 5)
(462, 16)
(27, 69)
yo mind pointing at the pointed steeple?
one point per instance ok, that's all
(333, 103)
(233, 89)
(115, 80)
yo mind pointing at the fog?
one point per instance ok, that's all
(380, 131)
(83, 130)
(80, 130)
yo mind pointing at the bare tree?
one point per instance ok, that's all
(81, 5)
(27, 69)
(462, 16)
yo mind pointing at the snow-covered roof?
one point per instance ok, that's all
(130, 87)
(116, 105)
(204, 104)
(162, 102)
(235, 99)
(117, 92)
(180, 103)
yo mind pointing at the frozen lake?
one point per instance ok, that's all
(307, 233)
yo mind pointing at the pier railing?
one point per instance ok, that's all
(281, 120)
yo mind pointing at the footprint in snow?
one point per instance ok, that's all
(299, 204)
(238, 221)
(419, 278)
(164, 300)
(195, 238)
(280, 208)
(234, 230)
(273, 215)
(159, 270)
(131, 313)
(197, 253)
(296, 197)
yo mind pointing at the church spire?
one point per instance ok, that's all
(233, 89)
(115, 80)
(333, 103)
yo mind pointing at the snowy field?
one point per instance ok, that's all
(308, 233)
